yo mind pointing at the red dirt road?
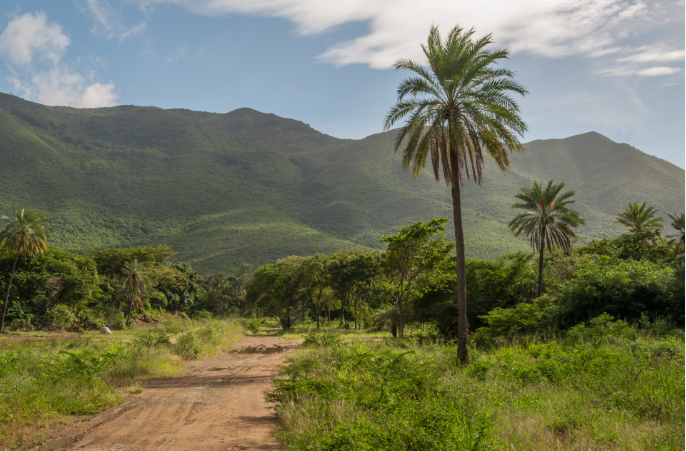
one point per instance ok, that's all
(216, 404)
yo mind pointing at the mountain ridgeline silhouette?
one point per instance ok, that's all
(244, 186)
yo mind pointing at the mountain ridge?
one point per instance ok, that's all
(250, 186)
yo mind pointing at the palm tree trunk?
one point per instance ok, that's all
(462, 324)
(540, 265)
(7, 292)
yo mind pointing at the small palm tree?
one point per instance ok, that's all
(547, 221)
(26, 233)
(677, 238)
(135, 284)
(638, 217)
(457, 109)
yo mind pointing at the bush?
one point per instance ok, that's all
(187, 345)
(20, 324)
(110, 315)
(204, 314)
(252, 324)
(623, 289)
(326, 340)
(60, 316)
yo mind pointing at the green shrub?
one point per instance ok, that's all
(187, 345)
(327, 339)
(60, 316)
(623, 289)
(20, 324)
(252, 324)
(204, 314)
(111, 316)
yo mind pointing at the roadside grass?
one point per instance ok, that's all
(44, 384)
(620, 390)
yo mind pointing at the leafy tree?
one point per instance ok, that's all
(111, 261)
(280, 284)
(623, 288)
(179, 289)
(638, 217)
(503, 283)
(224, 293)
(352, 276)
(316, 283)
(26, 233)
(458, 108)
(411, 254)
(677, 239)
(547, 221)
(135, 283)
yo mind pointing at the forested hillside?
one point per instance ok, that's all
(222, 189)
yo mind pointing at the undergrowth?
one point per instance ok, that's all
(607, 386)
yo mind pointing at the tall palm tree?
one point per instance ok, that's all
(135, 283)
(677, 238)
(548, 222)
(25, 233)
(457, 109)
(638, 217)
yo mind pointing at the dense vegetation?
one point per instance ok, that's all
(608, 386)
(224, 189)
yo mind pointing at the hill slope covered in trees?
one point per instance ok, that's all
(244, 186)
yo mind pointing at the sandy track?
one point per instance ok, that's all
(216, 404)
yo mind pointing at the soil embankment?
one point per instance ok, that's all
(216, 404)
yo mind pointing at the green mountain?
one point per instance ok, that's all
(222, 189)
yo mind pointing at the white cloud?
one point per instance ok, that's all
(31, 35)
(554, 28)
(635, 64)
(33, 50)
(108, 21)
(653, 54)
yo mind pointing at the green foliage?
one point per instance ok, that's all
(252, 324)
(326, 340)
(355, 398)
(111, 262)
(522, 318)
(638, 217)
(623, 289)
(605, 384)
(223, 294)
(490, 284)
(61, 316)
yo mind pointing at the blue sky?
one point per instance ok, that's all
(612, 66)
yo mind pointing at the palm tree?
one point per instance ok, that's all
(457, 108)
(27, 234)
(677, 238)
(638, 217)
(547, 221)
(135, 284)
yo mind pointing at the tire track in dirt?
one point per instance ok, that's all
(216, 404)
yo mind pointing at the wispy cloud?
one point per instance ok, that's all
(641, 61)
(108, 21)
(33, 49)
(555, 28)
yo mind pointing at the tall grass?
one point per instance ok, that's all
(44, 384)
(615, 390)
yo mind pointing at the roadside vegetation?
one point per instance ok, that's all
(46, 380)
(605, 386)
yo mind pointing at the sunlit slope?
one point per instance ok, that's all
(251, 187)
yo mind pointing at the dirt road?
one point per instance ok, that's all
(217, 404)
